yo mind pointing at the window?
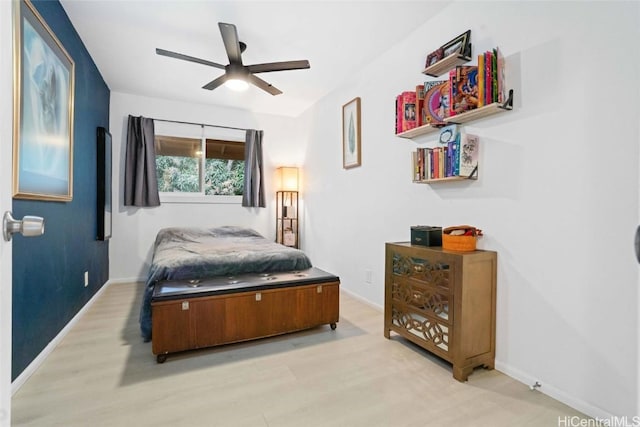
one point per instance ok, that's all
(197, 166)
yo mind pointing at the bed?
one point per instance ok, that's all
(212, 286)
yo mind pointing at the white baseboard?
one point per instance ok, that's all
(554, 392)
(35, 364)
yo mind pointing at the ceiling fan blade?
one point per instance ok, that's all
(263, 85)
(231, 42)
(217, 82)
(187, 58)
(278, 66)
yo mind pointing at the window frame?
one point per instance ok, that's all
(200, 197)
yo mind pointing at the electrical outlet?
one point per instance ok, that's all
(86, 279)
(368, 276)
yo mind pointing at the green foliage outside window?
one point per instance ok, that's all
(224, 177)
(180, 174)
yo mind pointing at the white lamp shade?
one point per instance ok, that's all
(287, 179)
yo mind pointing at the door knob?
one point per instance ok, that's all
(29, 226)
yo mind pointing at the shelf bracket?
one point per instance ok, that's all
(508, 104)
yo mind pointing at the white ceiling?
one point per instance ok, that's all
(337, 37)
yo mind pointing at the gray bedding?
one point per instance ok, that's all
(181, 253)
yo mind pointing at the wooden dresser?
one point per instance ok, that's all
(443, 301)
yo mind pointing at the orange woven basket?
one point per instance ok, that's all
(460, 243)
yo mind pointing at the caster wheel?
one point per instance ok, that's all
(161, 358)
(333, 326)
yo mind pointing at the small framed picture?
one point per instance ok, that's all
(351, 141)
(434, 57)
(458, 44)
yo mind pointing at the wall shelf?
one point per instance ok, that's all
(444, 65)
(421, 130)
(446, 179)
(482, 112)
(467, 116)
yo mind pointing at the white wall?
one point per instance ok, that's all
(557, 195)
(134, 229)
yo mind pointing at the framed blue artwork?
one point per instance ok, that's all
(43, 110)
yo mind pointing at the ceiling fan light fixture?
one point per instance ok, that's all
(237, 84)
(238, 76)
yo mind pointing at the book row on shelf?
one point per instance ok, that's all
(467, 87)
(456, 157)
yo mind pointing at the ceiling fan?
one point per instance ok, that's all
(236, 72)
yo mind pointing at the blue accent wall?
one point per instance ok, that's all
(48, 271)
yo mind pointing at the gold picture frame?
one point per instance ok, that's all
(43, 99)
(351, 134)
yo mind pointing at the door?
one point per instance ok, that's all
(6, 126)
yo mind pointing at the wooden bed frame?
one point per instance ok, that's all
(188, 315)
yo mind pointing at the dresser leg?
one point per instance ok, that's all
(387, 333)
(461, 374)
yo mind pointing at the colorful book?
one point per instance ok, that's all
(419, 104)
(452, 92)
(429, 168)
(501, 84)
(455, 156)
(436, 102)
(488, 87)
(408, 110)
(436, 162)
(466, 93)
(469, 154)
(451, 168)
(494, 75)
(399, 114)
(481, 77)
(447, 160)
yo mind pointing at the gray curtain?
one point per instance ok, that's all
(253, 194)
(140, 180)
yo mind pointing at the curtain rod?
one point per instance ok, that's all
(198, 124)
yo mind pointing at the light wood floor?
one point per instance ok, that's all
(102, 374)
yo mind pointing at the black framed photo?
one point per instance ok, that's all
(103, 170)
(458, 45)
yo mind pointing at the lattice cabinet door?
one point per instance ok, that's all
(444, 302)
